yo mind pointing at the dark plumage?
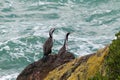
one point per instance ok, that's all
(64, 47)
(47, 47)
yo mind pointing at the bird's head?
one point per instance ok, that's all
(51, 31)
(67, 34)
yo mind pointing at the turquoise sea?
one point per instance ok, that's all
(24, 26)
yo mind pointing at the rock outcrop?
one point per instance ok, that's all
(80, 69)
(102, 65)
(39, 69)
(65, 67)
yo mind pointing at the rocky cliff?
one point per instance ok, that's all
(102, 65)
(80, 69)
(40, 69)
(66, 68)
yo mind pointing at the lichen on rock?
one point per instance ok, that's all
(81, 68)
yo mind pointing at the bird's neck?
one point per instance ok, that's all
(50, 34)
(66, 39)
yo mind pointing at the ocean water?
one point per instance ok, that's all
(24, 26)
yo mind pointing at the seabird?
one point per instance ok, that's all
(64, 47)
(47, 47)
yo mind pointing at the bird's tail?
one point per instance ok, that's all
(44, 59)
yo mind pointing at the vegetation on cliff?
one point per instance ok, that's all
(112, 62)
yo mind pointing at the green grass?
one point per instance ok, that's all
(112, 62)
